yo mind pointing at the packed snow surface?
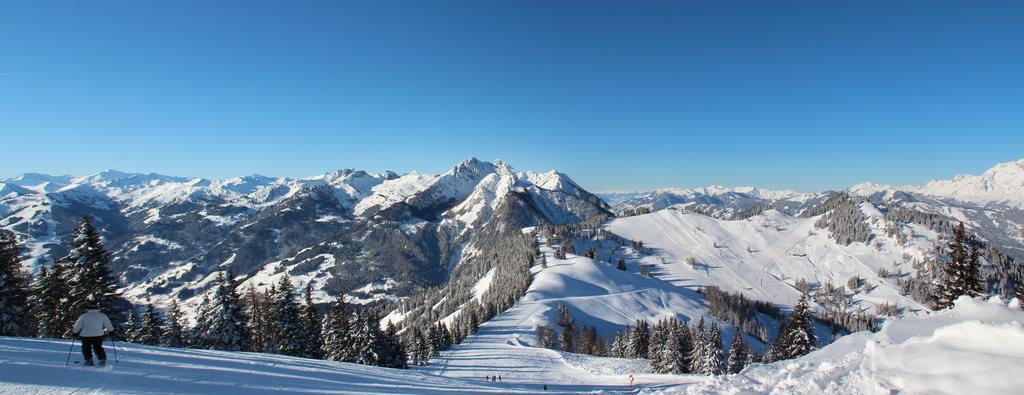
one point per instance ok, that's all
(975, 348)
(37, 366)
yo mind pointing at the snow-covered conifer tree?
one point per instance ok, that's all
(714, 361)
(151, 329)
(368, 342)
(639, 340)
(738, 353)
(14, 286)
(48, 291)
(225, 321)
(311, 327)
(90, 283)
(395, 353)
(131, 326)
(284, 320)
(797, 336)
(256, 313)
(336, 331)
(962, 272)
(174, 328)
(420, 353)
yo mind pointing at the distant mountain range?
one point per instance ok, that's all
(370, 236)
(383, 236)
(992, 204)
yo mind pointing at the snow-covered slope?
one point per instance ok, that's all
(32, 366)
(763, 256)
(596, 294)
(975, 348)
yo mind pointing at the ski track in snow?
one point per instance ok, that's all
(37, 366)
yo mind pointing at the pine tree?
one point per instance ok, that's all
(336, 331)
(1019, 291)
(620, 345)
(420, 354)
(15, 319)
(961, 274)
(256, 312)
(667, 349)
(738, 353)
(751, 357)
(589, 342)
(658, 346)
(699, 348)
(90, 283)
(198, 336)
(285, 320)
(434, 340)
(639, 341)
(395, 354)
(683, 344)
(48, 292)
(564, 317)
(225, 323)
(151, 329)
(713, 358)
(311, 327)
(565, 340)
(131, 326)
(174, 328)
(446, 336)
(368, 342)
(797, 336)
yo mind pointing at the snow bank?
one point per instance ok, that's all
(975, 348)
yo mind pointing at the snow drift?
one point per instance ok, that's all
(973, 348)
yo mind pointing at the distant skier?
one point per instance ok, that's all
(92, 327)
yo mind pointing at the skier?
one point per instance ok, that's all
(92, 327)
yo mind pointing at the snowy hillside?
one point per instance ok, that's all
(763, 256)
(597, 294)
(975, 348)
(991, 205)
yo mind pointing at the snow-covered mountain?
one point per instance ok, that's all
(717, 201)
(342, 232)
(375, 236)
(991, 204)
(1003, 183)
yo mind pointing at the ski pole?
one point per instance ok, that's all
(113, 345)
(69, 351)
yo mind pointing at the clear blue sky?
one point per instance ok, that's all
(619, 95)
